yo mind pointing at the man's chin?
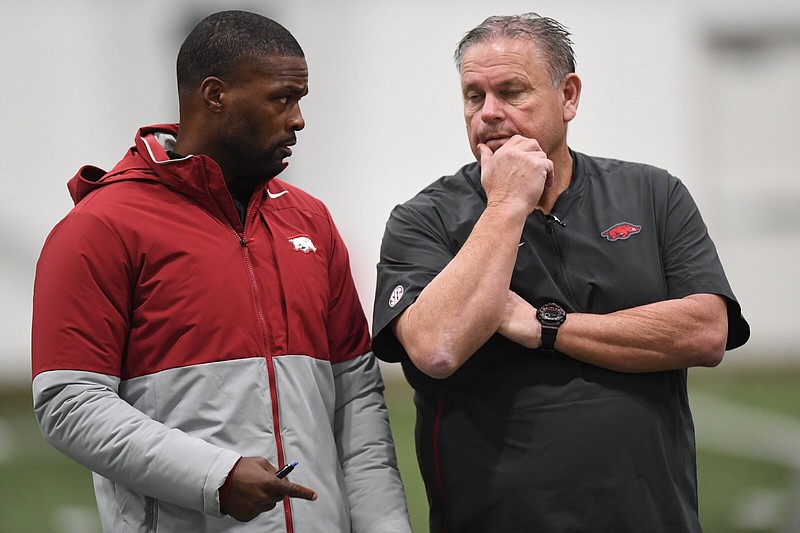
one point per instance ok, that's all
(273, 169)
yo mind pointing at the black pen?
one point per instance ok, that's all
(283, 472)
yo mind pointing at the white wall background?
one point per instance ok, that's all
(707, 89)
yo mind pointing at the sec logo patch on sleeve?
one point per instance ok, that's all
(397, 293)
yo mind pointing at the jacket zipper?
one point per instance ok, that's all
(265, 337)
(548, 221)
(273, 382)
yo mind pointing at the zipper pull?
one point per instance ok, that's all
(558, 220)
(243, 242)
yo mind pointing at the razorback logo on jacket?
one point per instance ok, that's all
(621, 231)
(302, 243)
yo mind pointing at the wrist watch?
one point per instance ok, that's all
(551, 316)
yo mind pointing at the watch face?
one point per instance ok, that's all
(552, 314)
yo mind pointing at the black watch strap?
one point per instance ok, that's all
(549, 337)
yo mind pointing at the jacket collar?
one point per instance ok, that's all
(197, 177)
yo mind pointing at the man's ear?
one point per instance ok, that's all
(571, 95)
(213, 90)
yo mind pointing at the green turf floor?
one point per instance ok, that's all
(43, 492)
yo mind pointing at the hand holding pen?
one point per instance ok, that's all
(255, 487)
(286, 470)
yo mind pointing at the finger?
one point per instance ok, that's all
(299, 491)
(550, 176)
(533, 145)
(526, 144)
(486, 155)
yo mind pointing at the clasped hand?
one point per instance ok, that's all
(516, 173)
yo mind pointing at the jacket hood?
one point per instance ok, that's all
(195, 176)
(132, 166)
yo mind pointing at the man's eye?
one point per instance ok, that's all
(283, 100)
(473, 97)
(514, 96)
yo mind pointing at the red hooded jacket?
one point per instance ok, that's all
(169, 339)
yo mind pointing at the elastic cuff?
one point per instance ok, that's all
(223, 490)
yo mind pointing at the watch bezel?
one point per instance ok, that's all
(551, 314)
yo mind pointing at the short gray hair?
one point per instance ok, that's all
(551, 36)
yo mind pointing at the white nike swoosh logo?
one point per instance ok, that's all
(276, 195)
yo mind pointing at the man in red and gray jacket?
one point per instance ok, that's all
(196, 326)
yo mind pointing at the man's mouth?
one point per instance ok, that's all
(495, 141)
(285, 147)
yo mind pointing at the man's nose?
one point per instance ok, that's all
(492, 109)
(296, 121)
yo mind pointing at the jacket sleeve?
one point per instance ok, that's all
(366, 449)
(81, 414)
(81, 307)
